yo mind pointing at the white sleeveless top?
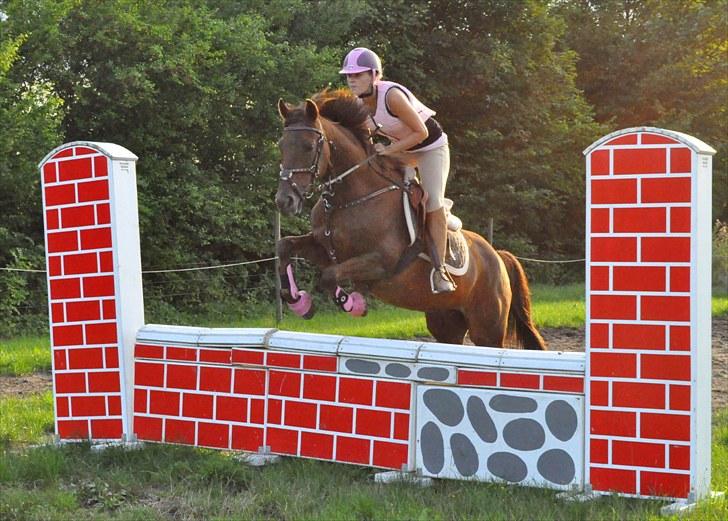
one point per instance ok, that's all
(391, 126)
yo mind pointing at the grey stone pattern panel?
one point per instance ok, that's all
(520, 437)
(398, 370)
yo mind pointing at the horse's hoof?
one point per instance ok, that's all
(357, 304)
(303, 306)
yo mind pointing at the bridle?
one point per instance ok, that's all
(286, 174)
(326, 187)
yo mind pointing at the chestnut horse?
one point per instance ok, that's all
(359, 234)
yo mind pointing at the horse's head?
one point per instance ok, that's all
(304, 155)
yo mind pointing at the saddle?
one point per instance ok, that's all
(457, 252)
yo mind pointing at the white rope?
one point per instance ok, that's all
(169, 271)
(211, 267)
(200, 268)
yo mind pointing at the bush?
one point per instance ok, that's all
(720, 256)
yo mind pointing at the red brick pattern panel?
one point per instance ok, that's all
(171, 353)
(639, 305)
(312, 414)
(82, 296)
(339, 418)
(513, 380)
(199, 404)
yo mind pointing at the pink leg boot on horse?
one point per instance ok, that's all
(300, 302)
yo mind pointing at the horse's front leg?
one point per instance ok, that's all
(305, 246)
(362, 269)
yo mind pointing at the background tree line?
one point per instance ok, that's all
(190, 86)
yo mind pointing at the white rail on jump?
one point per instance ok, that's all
(631, 415)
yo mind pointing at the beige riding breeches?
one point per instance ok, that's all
(434, 168)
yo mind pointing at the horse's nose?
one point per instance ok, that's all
(286, 203)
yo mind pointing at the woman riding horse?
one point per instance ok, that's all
(398, 115)
(360, 235)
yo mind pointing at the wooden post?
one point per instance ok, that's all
(277, 263)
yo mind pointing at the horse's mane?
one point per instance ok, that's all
(341, 106)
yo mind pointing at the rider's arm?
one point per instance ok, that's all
(400, 105)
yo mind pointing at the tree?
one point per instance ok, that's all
(29, 123)
(651, 62)
(190, 87)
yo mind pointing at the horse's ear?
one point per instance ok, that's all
(311, 109)
(283, 108)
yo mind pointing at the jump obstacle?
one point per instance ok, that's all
(631, 415)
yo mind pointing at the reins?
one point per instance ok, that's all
(326, 187)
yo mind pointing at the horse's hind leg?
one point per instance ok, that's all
(448, 326)
(488, 318)
(487, 331)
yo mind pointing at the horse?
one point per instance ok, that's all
(359, 234)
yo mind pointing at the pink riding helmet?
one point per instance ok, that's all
(361, 59)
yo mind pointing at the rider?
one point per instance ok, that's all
(398, 115)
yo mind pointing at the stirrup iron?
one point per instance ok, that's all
(447, 284)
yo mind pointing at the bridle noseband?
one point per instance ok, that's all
(286, 174)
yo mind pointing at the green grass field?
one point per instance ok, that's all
(24, 355)
(176, 483)
(26, 420)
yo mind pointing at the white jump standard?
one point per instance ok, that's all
(631, 415)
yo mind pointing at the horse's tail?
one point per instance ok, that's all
(520, 324)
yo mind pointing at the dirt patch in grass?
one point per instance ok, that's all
(26, 385)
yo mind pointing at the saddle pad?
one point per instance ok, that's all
(458, 255)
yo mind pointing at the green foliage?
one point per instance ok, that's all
(658, 63)
(190, 86)
(505, 92)
(720, 257)
(29, 118)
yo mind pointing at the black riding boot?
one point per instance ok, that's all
(437, 230)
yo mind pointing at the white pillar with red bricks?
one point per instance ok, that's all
(94, 286)
(648, 313)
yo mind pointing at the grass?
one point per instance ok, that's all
(558, 306)
(168, 482)
(553, 306)
(719, 304)
(24, 355)
(26, 420)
